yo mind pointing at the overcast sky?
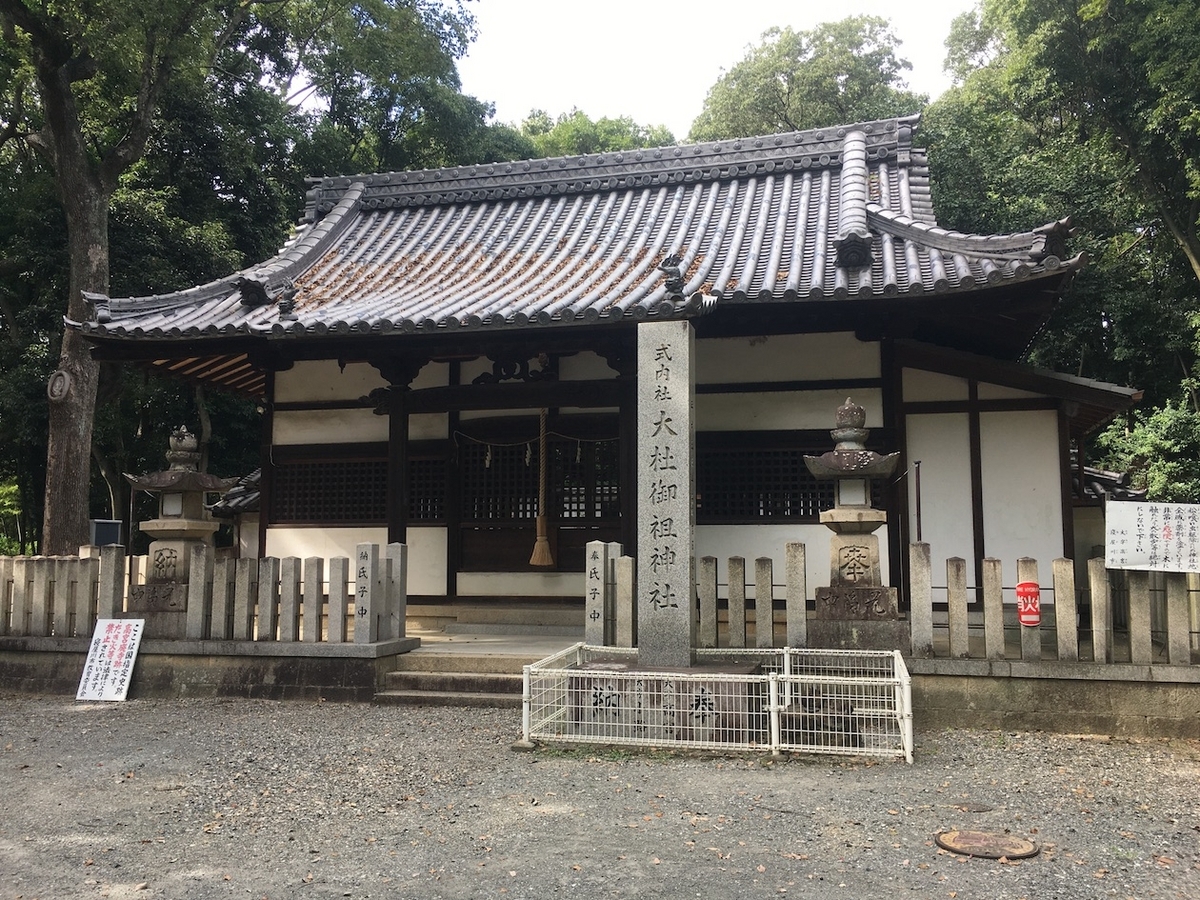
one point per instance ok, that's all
(654, 60)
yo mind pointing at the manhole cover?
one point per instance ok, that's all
(988, 844)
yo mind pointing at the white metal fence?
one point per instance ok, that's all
(855, 702)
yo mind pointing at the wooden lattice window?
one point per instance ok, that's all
(426, 490)
(331, 491)
(747, 484)
(499, 483)
(586, 479)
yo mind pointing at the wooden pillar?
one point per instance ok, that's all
(392, 401)
(266, 474)
(397, 467)
(627, 464)
(453, 498)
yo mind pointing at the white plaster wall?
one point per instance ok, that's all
(427, 426)
(920, 385)
(476, 414)
(432, 375)
(473, 368)
(999, 392)
(782, 410)
(788, 357)
(325, 542)
(247, 536)
(942, 444)
(585, 366)
(1089, 533)
(325, 426)
(1022, 494)
(426, 549)
(322, 379)
(753, 541)
(520, 584)
(426, 560)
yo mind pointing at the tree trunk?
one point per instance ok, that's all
(72, 389)
(118, 487)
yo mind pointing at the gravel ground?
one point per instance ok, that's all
(219, 798)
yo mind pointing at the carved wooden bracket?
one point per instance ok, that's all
(514, 366)
(399, 371)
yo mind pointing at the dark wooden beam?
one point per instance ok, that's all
(397, 468)
(518, 395)
(771, 387)
(976, 444)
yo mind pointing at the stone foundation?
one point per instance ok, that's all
(196, 669)
(1125, 701)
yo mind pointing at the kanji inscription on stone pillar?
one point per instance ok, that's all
(666, 493)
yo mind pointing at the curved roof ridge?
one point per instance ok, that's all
(305, 247)
(815, 148)
(1037, 245)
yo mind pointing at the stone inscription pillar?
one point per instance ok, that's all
(666, 493)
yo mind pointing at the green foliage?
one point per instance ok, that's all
(1160, 450)
(11, 537)
(574, 133)
(1089, 110)
(1120, 75)
(1127, 317)
(837, 73)
(186, 121)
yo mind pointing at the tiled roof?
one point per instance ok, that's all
(241, 498)
(1097, 485)
(829, 214)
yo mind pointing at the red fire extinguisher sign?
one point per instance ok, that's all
(1029, 603)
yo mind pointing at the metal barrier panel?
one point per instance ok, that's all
(810, 701)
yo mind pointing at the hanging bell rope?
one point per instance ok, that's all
(541, 547)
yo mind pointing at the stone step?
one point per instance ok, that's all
(448, 698)
(465, 682)
(490, 663)
(520, 628)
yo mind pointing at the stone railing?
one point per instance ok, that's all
(1130, 617)
(283, 600)
(1135, 617)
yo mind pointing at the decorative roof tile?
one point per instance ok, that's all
(827, 214)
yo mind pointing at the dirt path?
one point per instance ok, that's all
(215, 799)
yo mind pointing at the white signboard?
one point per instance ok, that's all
(110, 659)
(1161, 537)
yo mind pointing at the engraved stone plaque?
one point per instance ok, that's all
(166, 596)
(864, 604)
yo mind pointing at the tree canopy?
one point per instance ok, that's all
(574, 133)
(1091, 109)
(167, 139)
(839, 72)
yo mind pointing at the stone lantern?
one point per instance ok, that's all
(856, 610)
(183, 524)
